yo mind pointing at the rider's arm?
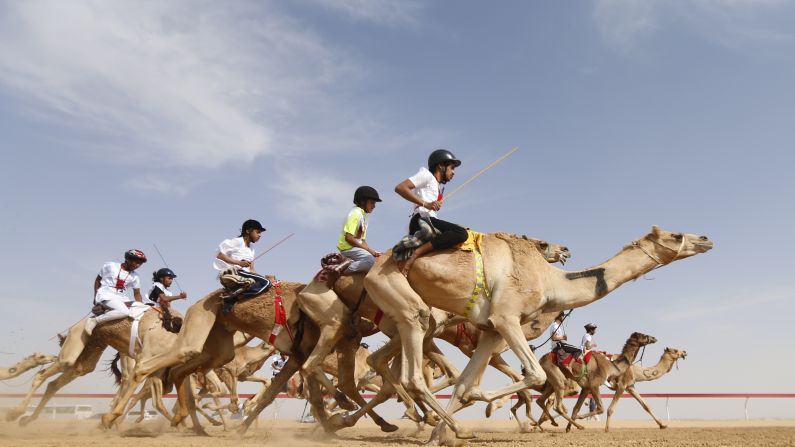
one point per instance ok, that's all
(137, 295)
(230, 261)
(404, 190)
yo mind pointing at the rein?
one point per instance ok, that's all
(655, 258)
(534, 348)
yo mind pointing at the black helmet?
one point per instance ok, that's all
(590, 326)
(135, 255)
(441, 156)
(162, 273)
(364, 193)
(252, 224)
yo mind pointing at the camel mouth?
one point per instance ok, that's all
(704, 245)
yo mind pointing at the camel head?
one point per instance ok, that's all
(667, 246)
(676, 354)
(641, 339)
(551, 252)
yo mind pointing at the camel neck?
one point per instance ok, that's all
(654, 372)
(575, 289)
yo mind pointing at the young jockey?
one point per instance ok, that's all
(352, 242)
(113, 280)
(237, 254)
(424, 190)
(160, 293)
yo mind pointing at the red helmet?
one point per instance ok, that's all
(135, 255)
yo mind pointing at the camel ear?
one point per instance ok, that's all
(655, 230)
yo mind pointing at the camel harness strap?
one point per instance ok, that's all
(279, 315)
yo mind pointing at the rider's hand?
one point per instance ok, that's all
(182, 295)
(375, 253)
(244, 263)
(435, 205)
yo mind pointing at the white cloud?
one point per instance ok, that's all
(625, 24)
(193, 84)
(385, 12)
(316, 202)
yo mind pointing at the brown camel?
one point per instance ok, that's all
(638, 373)
(522, 285)
(29, 362)
(80, 353)
(589, 376)
(206, 342)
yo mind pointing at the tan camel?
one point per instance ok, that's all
(80, 353)
(639, 373)
(334, 310)
(522, 285)
(589, 376)
(29, 362)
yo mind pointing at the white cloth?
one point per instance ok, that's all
(137, 311)
(235, 249)
(110, 275)
(587, 338)
(427, 188)
(278, 364)
(556, 328)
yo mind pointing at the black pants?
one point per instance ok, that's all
(261, 283)
(452, 234)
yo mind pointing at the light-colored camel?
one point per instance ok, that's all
(639, 373)
(80, 353)
(29, 362)
(334, 310)
(589, 376)
(248, 360)
(522, 285)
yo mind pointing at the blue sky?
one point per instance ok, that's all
(133, 124)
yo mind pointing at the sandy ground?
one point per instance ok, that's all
(490, 433)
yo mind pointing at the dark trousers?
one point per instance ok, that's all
(261, 283)
(451, 235)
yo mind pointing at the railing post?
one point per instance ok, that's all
(667, 410)
(746, 407)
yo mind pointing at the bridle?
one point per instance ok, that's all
(655, 258)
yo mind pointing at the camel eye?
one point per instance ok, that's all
(678, 236)
(544, 245)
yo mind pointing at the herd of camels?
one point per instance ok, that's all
(320, 330)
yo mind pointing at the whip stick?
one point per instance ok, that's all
(274, 245)
(166, 264)
(495, 163)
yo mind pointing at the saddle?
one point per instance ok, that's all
(331, 267)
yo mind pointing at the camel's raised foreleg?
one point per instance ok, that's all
(642, 403)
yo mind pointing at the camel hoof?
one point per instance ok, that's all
(24, 421)
(200, 431)
(107, 420)
(431, 419)
(464, 433)
(13, 415)
(336, 422)
(386, 427)
(662, 427)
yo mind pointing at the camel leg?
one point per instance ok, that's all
(580, 400)
(38, 379)
(346, 361)
(156, 390)
(277, 384)
(85, 363)
(196, 326)
(509, 327)
(616, 396)
(471, 374)
(643, 404)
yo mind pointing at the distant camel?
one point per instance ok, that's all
(638, 373)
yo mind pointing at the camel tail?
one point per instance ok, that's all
(299, 335)
(113, 367)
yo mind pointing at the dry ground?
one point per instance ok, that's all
(490, 434)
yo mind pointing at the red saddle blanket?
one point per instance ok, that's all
(554, 357)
